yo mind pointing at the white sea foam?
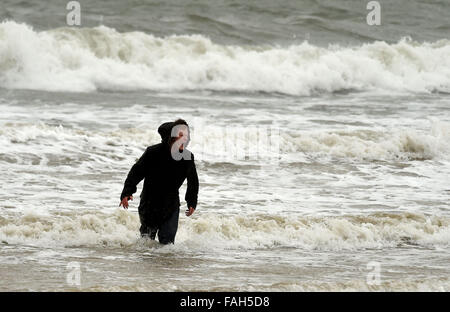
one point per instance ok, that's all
(400, 143)
(83, 60)
(217, 143)
(209, 231)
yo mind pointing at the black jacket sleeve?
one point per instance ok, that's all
(136, 174)
(192, 186)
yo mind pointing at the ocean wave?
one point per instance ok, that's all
(209, 231)
(100, 58)
(401, 144)
(38, 142)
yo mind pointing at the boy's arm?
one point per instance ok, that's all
(136, 174)
(192, 186)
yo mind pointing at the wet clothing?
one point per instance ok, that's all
(166, 231)
(163, 175)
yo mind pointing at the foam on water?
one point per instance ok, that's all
(208, 231)
(45, 142)
(414, 285)
(84, 60)
(400, 143)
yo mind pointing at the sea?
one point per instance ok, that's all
(320, 129)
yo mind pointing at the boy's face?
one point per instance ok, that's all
(181, 134)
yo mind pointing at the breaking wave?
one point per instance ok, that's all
(51, 145)
(209, 231)
(405, 144)
(100, 58)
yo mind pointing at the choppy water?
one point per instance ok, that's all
(360, 174)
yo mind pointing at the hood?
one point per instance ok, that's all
(164, 131)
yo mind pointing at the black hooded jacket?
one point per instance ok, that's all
(163, 177)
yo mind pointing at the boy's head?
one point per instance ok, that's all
(173, 131)
(180, 131)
